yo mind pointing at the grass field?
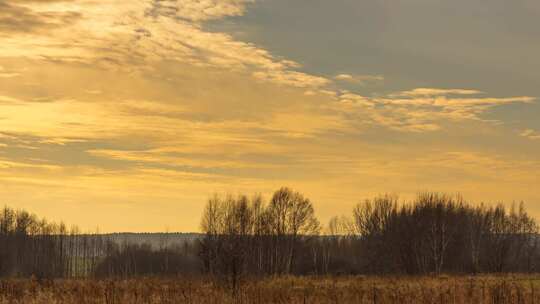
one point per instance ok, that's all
(317, 290)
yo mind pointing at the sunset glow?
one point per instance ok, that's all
(129, 115)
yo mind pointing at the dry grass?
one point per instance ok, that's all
(285, 290)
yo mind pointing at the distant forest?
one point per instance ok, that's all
(248, 237)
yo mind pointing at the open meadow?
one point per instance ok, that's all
(284, 290)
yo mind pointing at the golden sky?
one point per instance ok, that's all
(128, 115)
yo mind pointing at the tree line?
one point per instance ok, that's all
(30, 246)
(33, 247)
(432, 234)
(245, 237)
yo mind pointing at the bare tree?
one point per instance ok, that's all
(291, 219)
(228, 224)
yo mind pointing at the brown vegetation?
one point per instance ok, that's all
(283, 290)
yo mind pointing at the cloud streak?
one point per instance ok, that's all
(423, 109)
(530, 134)
(17, 18)
(359, 79)
(5, 73)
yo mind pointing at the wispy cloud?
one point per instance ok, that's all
(198, 10)
(424, 109)
(292, 78)
(16, 17)
(7, 100)
(359, 79)
(132, 35)
(428, 92)
(8, 73)
(530, 134)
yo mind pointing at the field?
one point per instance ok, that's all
(294, 290)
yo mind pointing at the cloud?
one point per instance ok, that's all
(423, 109)
(17, 18)
(198, 11)
(359, 79)
(4, 73)
(61, 141)
(8, 75)
(94, 92)
(430, 92)
(292, 78)
(134, 35)
(530, 134)
(7, 100)
(8, 164)
(484, 164)
(172, 158)
(139, 35)
(449, 102)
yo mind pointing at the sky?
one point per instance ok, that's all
(129, 115)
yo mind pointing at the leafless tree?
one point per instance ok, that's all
(291, 219)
